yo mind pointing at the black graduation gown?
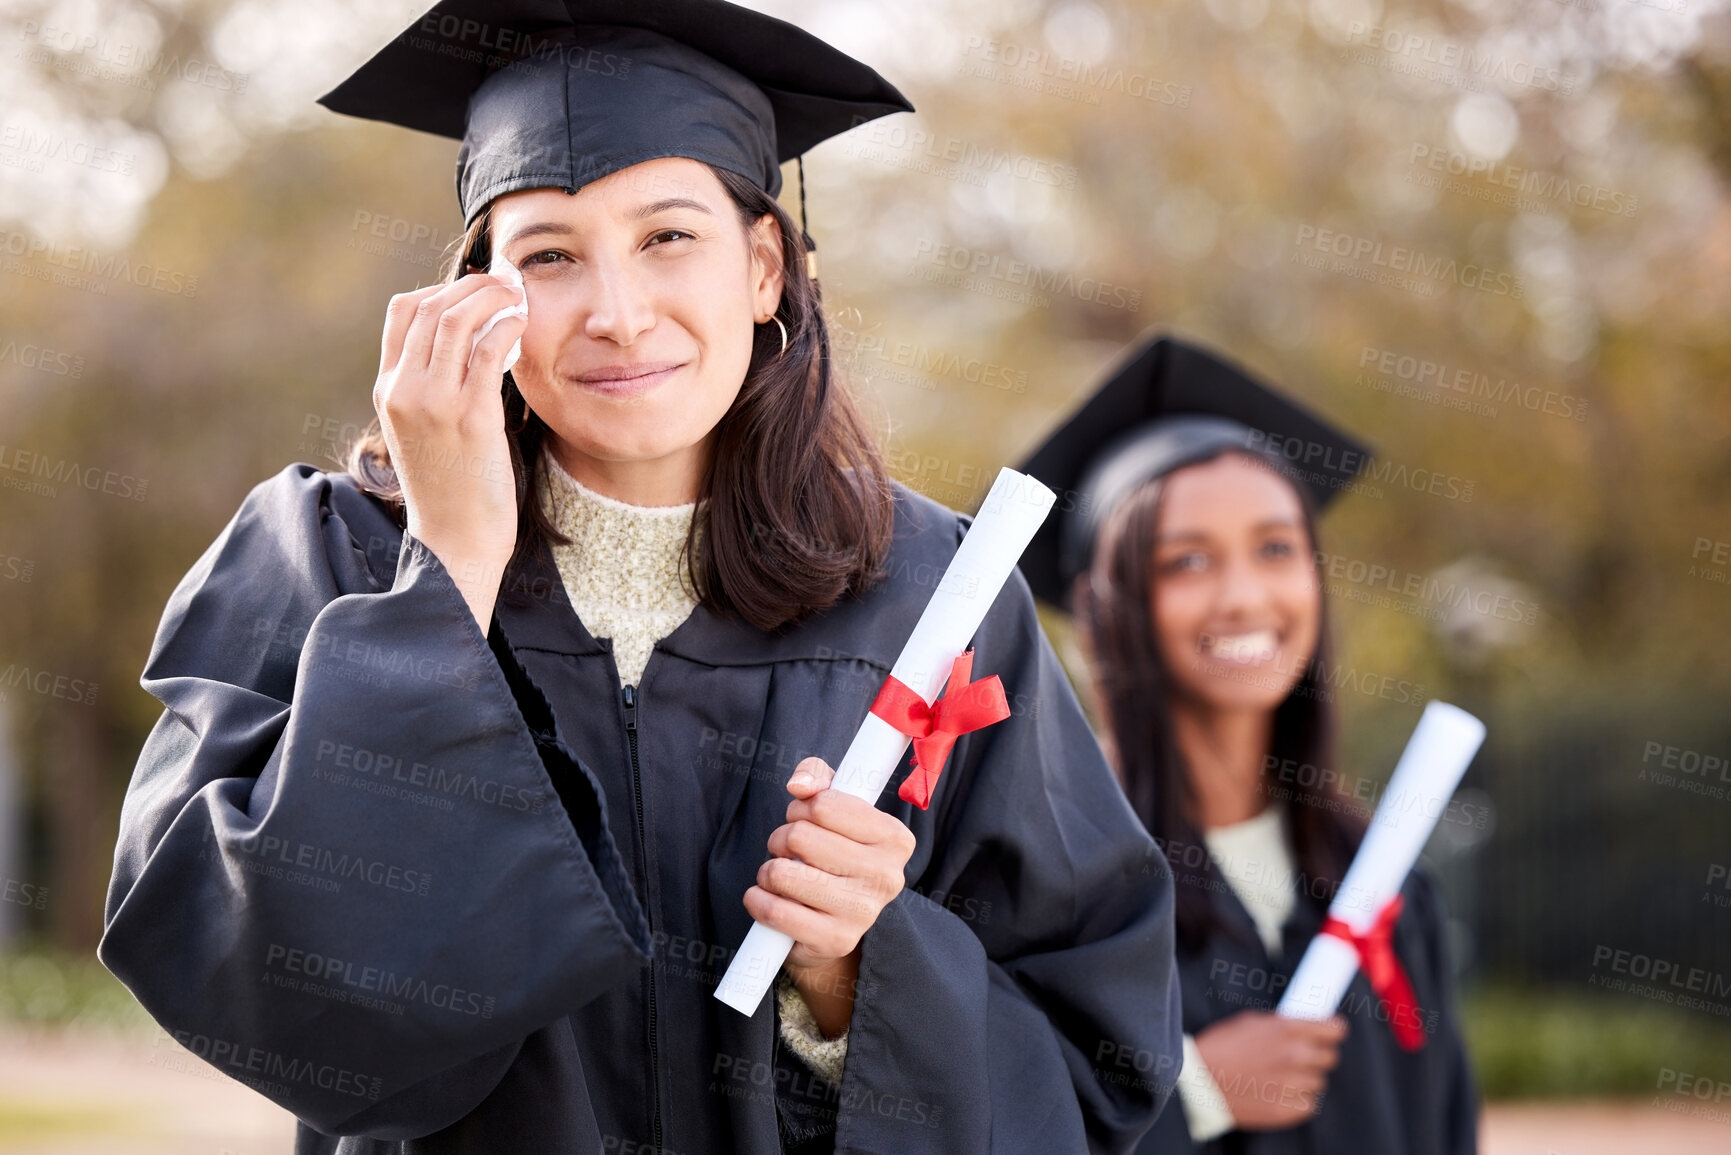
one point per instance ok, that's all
(442, 892)
(1380, 1099)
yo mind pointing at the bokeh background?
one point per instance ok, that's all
(1492, 238)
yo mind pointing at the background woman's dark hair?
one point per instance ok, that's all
(1115, 609)
(798, 506)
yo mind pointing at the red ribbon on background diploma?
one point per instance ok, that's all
(1387, 977)
(965, 706)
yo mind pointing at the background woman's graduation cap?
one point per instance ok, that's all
(557, 93)
(1168, 404)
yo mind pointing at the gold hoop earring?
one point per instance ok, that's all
(783, 329)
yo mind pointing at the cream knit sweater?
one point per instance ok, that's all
(625, 575)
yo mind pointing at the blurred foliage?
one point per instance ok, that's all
(1538, 1044)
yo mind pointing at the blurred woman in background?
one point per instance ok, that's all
(1187, 548)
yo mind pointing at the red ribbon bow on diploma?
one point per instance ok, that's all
(1387, 977)
(964, 707)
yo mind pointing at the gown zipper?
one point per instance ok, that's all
(629, 696)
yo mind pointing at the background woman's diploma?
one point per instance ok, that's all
(1012, 512)
(1424, 781)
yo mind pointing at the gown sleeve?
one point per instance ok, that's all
(1020, 994)
(356, 865)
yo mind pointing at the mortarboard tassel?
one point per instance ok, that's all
(810, 245)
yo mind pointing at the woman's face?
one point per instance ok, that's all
(643, 290)
(1236, 602)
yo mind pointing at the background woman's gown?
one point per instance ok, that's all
(1381, 1100)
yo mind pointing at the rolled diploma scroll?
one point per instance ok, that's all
(503, 268)
(1014, 508)
(1424, 780)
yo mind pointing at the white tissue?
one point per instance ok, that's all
(503, 268)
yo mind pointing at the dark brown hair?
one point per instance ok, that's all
(1114, 605)
(796, 504)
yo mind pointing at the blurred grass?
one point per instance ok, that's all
(1545, 1044)
(55, 989)
(33, 1122)
(1524, 1043)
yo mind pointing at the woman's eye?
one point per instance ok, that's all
(669, 233)
(1184, 563)
(536, 259)
(1278, 549)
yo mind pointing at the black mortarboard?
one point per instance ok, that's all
(557, 93)
(1164, 405)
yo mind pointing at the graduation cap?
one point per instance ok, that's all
(558, 93)
(1165, 405)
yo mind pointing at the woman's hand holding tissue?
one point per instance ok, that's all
(439, 405)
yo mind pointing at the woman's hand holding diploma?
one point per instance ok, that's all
(1271, 1070)
(934, 653)
(444, 421)
(837, 863)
